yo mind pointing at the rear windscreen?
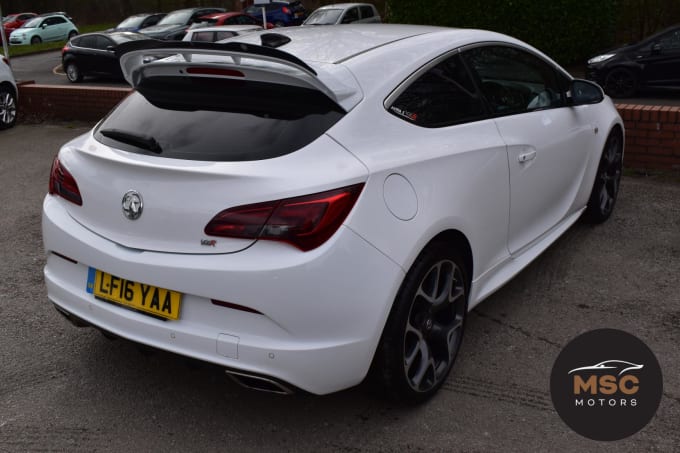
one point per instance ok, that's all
(210, 119)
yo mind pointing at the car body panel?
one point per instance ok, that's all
(218, 33)
(46, 30)
(344, 13)
(320, 313)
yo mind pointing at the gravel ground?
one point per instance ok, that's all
(69, 389)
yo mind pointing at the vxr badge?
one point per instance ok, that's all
(132, 205)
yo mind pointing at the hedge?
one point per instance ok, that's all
(568, 30)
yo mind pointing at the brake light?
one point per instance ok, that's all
(285, 10)
(215, 71)
(64, 49)
(63, 184)
(305, 222)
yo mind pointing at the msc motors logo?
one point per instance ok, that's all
(606, 384)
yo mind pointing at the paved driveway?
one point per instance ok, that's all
(68, 389)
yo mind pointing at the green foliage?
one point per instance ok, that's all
(567, 30)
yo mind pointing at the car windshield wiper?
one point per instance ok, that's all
(141, 141)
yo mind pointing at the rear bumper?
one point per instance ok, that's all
(322, 311)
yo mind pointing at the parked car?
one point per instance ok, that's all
(8, 95)
(331, 208)
(281, 13)
(44, 29)
(94, 54)
(651, 63)
(230, 18)
(14, 21)
(137, 22)
(344, 13)
(175, 24)
(213, 34)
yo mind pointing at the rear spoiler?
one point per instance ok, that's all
(147, 58)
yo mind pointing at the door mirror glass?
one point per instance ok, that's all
(583, 92)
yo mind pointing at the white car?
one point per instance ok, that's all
(327, 205)
(344, 13)
(218, 33)
(8, 95)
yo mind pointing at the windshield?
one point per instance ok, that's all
(34, 23)
(177, 18)
(131, 22)
(324, 17)
(9, 19)
(127, 37)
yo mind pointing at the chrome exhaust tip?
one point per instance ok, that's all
(263, 384)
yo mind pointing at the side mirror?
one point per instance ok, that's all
(656, 48)
(110, 48)
(43, 26)
(583, 92)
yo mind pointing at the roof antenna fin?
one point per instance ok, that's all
(274, 40)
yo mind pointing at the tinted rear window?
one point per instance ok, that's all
(219, 119)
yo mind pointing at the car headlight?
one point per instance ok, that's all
(601, 58)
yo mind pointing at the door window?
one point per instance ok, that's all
(366, 12)
(515, 81)
(352, 15)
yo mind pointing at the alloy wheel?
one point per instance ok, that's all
(8, 109)
(435, 326)
(620, 83)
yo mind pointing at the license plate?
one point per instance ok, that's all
(146, 298)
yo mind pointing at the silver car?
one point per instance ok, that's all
(344, 13)
(8, 96)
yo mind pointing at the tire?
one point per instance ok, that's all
(72, 34)
(620, 83)
(8, 108)
(73, 73)
(36, 40)
(424, 330)
(607, 180)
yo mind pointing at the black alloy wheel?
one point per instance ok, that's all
(607, 180)
(425, 328)
(620, 83)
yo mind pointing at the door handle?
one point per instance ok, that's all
(526, 157)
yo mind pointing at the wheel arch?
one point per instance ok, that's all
(11, 87)
(456, 240)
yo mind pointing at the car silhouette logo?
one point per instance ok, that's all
(610, 365)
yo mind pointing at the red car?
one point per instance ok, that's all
(14, 21)
(232, 18)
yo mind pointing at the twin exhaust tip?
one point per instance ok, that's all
(260, 383)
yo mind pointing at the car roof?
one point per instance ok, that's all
(226, 28)
(343, 5)
(333, 44)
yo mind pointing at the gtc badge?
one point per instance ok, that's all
(132, 205)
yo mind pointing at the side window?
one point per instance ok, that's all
(515, 81)
(202, 36)
(57, 21)
(220, 35)
(352, 15)
(102, 43)
(670, 41)
(443, 96)
(366, 12)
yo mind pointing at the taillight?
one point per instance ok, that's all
(64, 49)
(285, 10)
(63, 184)
(305, 222)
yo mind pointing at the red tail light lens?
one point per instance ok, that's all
(63, 184)
(305, 222)
(285, 10)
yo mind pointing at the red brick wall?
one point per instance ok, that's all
(652, 132)
(67, 103)
(652, 136)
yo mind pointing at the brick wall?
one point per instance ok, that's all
(67, 103)
(652, 136)
(652, 132)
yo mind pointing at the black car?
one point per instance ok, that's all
(653, 62)
(138, 21)
(94, 54)
(175, 24)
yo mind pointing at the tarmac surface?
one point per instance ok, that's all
(69, 389)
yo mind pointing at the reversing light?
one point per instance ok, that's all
(305, 222)
(62, 183)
